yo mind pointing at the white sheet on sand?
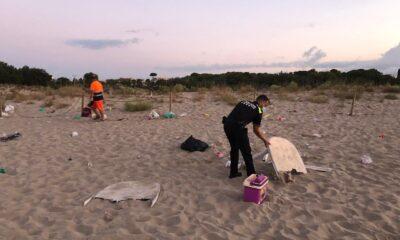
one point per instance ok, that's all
(129, 190)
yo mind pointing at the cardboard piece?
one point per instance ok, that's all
(285, 156)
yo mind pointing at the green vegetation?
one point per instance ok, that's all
(391, 89)
(391, 97)
(291, 81)
(318, 99)
(137, 107)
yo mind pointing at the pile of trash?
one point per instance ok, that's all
(9, 137)
(154, 115)
(8, 109)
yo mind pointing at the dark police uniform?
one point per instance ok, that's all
(236, 131)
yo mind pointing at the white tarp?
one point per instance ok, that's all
(129, 190)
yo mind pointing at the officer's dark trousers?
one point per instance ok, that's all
(239, 140)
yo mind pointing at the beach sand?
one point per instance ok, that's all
(48, 177)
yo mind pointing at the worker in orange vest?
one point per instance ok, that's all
(97, 97)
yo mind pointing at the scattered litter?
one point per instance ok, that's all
(316, 119)
(192, 144)
(2, 171)
(183, 115)
(206, 114)
(9, 109)
(366, 159)
(153, 115)
(280, 118)
(9, 137)
(109, 108)
(74, 134)
(169, 115)
(314, 135)
(90, 165)
(41, 109)
(77, 117)
(220, 154)
(70, 159)
(129, 190)
(317, 168)
(240, 164)
(381, 136)
(266, 158)
(317, 135)
(4, 114)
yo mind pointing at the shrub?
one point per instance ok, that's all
(274, 87)
(347, 94)
(229, 98)
(391, 97)
(69, 91)
(48, 103)
(163, 89)
(293, 86)
(61, 105)
(202, 90)
(246, 89)
(199, 97)
(391, 89)
(178, 88)
(285, 97)
(318, 99)
(137, 107)
(325, 85)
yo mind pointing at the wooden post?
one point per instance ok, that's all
(1, 105)
(170, 99)
(352, 104)
(83, 100)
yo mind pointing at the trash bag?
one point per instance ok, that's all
(169, 115)
(9, 137)
(86, 112)
(9, 108)
(153, 115)
(192, 144)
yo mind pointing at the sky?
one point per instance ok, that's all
(132, 38)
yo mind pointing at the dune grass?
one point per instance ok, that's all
(391, 89)
(391, 96)
(318, 99)
(137, 107)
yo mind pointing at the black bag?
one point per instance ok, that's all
(86, 112)
(192, 144)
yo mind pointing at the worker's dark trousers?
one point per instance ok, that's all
(239, 140)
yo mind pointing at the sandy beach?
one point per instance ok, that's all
(50, 174)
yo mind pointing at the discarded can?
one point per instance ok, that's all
(2, 170)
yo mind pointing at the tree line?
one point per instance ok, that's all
(312, 78)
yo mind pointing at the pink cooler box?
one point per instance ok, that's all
(255, 188)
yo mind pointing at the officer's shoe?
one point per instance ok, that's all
(235, 175)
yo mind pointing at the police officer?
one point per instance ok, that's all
(236, 131)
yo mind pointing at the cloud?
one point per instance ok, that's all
(143, 30)
(389, 62)
(96, 44)
(313, 55)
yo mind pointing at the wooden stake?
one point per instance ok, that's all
(83, 100)
(170, 99)
(1, 106)
(352, 104)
